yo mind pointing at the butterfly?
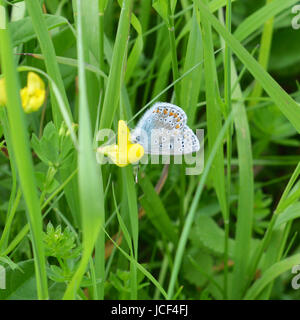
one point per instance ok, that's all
(163, 130)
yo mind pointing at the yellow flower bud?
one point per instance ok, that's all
(33, 96)
(135, 152)
(124, 152)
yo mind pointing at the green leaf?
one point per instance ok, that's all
(161, 6)
(156, 212)
(259, 17)
(23, 31)
(20, 285)
(282, 61)
(43, 184)
(270, 275)
(204, 263)
(47, 148)
(60, 244)
(276, 128)
(206, 234)
(290, 213)
(137, 49)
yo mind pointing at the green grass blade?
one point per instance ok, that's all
(40, 27)
(191, 85)
(116, 74)
(285, 103)
(213, 112)
(22, 154)
(264, 55)
(259, 17)
(140, 267)
(246, 191)
(134, 223)
(89, 175)
(270, 275)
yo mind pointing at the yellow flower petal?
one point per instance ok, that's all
(124, 152)
(135, 152)
(24, 97)
(123, 141)
(33, 96)
(34, 82)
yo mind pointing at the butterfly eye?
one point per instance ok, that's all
(138, 138)
(171, 146)
(160, 145)
(161, 119)
(164, 139)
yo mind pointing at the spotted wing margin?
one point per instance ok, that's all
(161, 110)
(174, 143)
(163, 131)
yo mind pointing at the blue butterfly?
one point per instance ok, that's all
(163, 131)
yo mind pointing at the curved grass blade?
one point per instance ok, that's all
(285, 103)
(22, 155)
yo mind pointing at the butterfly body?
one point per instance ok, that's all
(163, 131)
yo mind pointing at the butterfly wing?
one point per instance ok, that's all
(163, 130)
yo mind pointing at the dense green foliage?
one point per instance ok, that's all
(71, 228)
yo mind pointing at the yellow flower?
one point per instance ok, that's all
(2, 92)
(32, 96)
(124, 152)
